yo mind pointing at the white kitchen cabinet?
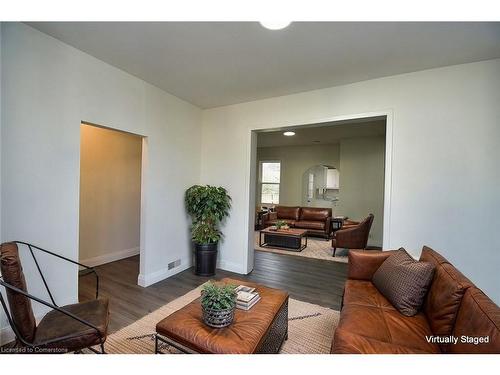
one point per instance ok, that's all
(332, 178)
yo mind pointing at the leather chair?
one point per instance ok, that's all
(354, 236)
(69, 328)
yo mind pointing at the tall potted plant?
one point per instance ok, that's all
(208, 206)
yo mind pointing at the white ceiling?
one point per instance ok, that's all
(212, 64)
(322, 134)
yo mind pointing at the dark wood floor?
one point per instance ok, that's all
(311, 280)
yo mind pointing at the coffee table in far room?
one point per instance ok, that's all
(292, 239)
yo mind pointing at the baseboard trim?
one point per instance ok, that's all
(146, 280)
(111, 257)
(7, 333)
(231, 267)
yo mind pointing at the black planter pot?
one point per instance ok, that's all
(205, 259)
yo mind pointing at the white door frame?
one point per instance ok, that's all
(251, 159)
(144, 181)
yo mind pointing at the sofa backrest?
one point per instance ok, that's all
(455, 306)
(315, 213)
(445, 294)
(477, 317)
(285, 212)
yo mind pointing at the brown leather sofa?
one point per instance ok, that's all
(454, 307)
(316, 220)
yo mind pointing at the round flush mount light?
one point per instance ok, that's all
(289, 134)
(275, 24)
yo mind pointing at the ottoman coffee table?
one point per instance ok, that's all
(262, 329)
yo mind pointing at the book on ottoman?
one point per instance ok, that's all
(246, 297)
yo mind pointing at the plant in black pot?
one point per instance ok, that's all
(208, 206)
(218, 302)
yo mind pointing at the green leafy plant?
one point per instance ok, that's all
(203, 233)
(208, 206)
(280, 224)
(218, 296)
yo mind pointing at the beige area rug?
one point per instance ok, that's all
(310, 329)
(317, 248)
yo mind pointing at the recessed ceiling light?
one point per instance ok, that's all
(289, 134)
(275, 24)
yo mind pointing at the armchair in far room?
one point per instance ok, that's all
(354, 236)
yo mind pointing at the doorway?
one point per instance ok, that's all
(110, 196)
(341, 165)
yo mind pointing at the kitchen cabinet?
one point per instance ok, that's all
(332, 178)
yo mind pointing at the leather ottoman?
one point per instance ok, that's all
(262, 329)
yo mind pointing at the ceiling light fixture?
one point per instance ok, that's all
(289, 134)
(275, 24)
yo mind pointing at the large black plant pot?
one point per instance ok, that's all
(205, 259)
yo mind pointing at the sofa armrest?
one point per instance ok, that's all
(269, 216)
(328, 225)
(364, 263)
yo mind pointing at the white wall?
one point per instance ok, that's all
(362, 182)
(295, 161)
(3, 322)
(445, 158)
(48, 89)
(110, 195)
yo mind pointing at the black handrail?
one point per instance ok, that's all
(54, 307)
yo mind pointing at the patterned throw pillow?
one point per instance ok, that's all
(404, 281)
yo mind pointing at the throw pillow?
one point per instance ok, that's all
(404, 281)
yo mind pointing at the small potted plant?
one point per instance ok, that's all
(218, 302)
(208, 206)
(282, 225)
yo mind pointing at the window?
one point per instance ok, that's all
(270, 182)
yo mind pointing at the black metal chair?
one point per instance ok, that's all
(69, 328)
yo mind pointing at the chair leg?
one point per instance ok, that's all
(334, 250)
(102, 349)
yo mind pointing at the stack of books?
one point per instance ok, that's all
(246, 297)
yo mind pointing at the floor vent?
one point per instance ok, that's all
(175, 263)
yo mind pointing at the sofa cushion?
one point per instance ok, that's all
(285, 212)
(71, 334)
(316, 225)
(404, 281)
(364, 293)
(445, 293)
(478, 316)
(364, 263)
(387, 326)
(432, 256)
(444, 297)
(345, 342)
(315, 214)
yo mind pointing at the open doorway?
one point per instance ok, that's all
(316, 178)
(110, 199)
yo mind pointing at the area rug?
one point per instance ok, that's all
(317, 248)
(310, 329)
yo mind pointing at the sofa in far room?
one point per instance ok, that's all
(453, 309)
(316, 220)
